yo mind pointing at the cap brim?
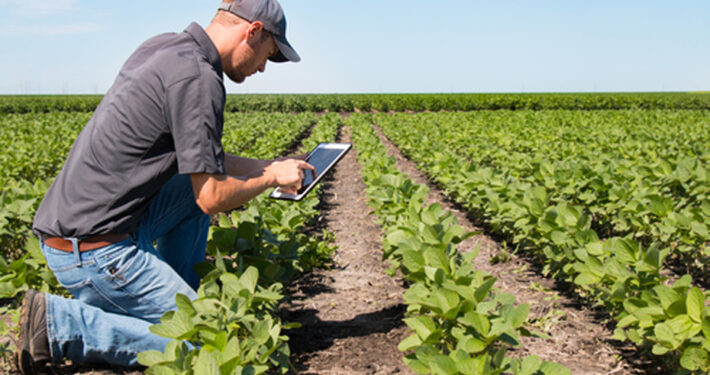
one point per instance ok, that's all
(286, 52)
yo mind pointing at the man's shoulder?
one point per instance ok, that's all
(174, 56)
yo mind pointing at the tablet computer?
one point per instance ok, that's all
(322, 158)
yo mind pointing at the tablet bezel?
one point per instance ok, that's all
(343, 147)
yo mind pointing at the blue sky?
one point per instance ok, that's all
(78, 46)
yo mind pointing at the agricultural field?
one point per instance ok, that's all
(463, 234)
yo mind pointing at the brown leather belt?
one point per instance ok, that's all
(86, 244)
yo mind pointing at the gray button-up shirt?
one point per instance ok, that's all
(163, 115)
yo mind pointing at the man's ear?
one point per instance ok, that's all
(254, 29)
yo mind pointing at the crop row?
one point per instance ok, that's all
(459, 324)
(233, 327)
(642, 174)
(523, 196)
(392, 102)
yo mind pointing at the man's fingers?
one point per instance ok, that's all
(309, 167)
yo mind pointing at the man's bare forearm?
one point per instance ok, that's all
(216, 193)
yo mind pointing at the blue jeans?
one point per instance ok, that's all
(122, 289)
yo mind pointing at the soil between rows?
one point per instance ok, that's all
(351, 314)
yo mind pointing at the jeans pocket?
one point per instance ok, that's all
(58, 260)
(114, 263)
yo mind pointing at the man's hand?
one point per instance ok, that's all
(288, 173)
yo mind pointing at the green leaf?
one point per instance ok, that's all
(559, 238)
(694, 359)
(260, 331)
(520, 315)
(224, 221)
(626, 250)
(467, 365)
(429, 216)
(666, 295)
(183, 303)
(586, 278)
(483, 290)
(436, 257)
(435, 274)
(477, 321)
(659, 349)
(412, 260)
(409, 343)
(443, 365)
(422, 325)
(206, 364)
(552, 368)
(33, 248)
(417, 365)
(700, 229)
(585, 237)
(694, 304)
(447, 301)
(660, 206)
(569, 215)
(249, 278)
(150, 358)
(472, 345)
(530, 365)
(397, 236)
(174, 325)
(664, 333)
(232, 349)
(231, 285)
(161, 370)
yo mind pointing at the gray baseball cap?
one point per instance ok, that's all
(270, 14)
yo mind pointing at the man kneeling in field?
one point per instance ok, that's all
(148, 168)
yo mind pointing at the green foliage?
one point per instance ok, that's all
(230, 329)
(264, 135)
(602, 199)
(40, 144)
(459, 324)
(290, 103)
(29, 271)
(48, 103)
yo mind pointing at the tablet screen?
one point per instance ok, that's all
(320, 159)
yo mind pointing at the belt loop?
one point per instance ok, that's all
(77, 254)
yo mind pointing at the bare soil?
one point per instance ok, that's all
(350, 314)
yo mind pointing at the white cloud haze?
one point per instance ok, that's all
(38, 8)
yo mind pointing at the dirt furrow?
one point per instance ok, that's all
(350, 314)
(579, 339)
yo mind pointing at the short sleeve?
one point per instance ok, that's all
(195, 114)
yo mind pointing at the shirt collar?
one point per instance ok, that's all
(206, 45)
